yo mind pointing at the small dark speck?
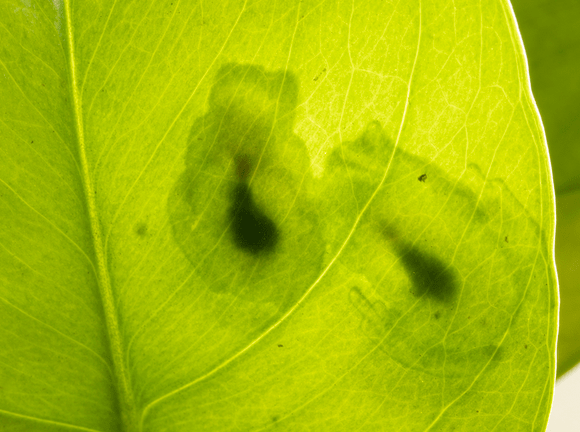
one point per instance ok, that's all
(243, 166)
(319, 75)
(422, 178)
(275, 419)
(525, 346)
(280, 346)
(436, 315)
(477, 411)
(31, 142)
(141, 230)
(506, 240)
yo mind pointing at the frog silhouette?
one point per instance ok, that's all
(242, 210)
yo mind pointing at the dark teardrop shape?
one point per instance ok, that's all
(430, 275)
(252, 230)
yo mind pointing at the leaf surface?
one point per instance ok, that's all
(262, 216)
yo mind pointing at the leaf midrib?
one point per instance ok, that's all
(125, 395)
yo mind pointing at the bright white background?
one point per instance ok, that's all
(565, 416)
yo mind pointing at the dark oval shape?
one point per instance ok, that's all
(429, 274)
(253, 231)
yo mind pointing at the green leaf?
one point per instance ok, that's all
(261, 216)
(553, 62)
